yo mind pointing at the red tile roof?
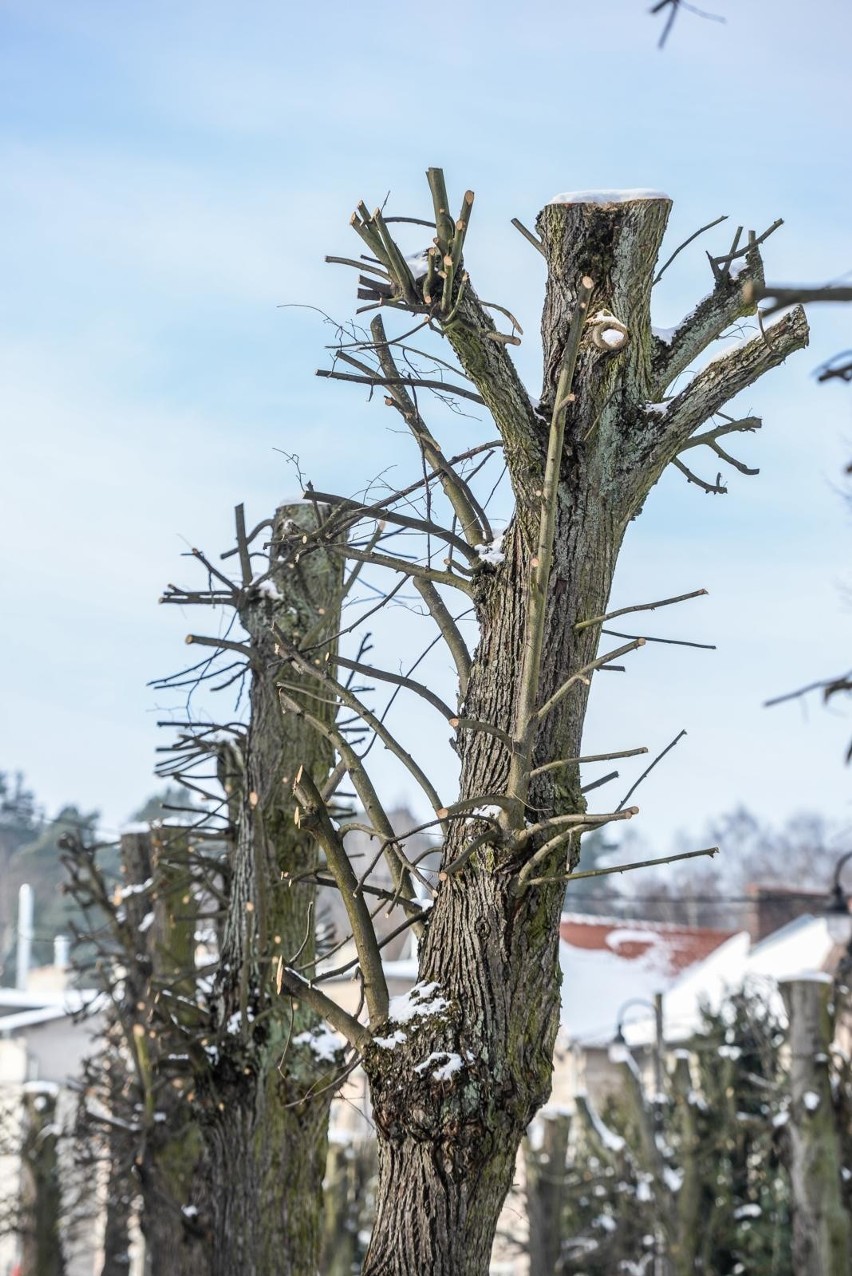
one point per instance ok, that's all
(674, 947)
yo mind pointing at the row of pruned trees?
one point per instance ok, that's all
(737, 1163)
(227, 1072)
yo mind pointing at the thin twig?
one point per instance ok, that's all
(628, 795)
(685, 244)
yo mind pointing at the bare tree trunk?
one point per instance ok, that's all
(269, 1088)
(822, 1239)
(41, 1191)
(350, 1174)
(546, 1179)
(118, 1211)
(170, 1165)
(686, 1206)
(448, 1140)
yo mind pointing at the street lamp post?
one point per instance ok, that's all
(837, 914)
(656, 1007)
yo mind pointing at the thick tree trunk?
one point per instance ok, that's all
(822, 1237)
(267, 1094)
(454, 1094)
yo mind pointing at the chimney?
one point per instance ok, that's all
(771, 907)
(60, 952)
(25, 936)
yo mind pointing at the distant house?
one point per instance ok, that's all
(611, 970)
(803, 945)
(42, 1047)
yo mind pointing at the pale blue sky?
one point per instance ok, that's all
(172, 173)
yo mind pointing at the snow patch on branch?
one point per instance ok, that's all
(135, 888)
(267, 589)
(452, 1064)
(492, 551)
(422, 1000)
(395, 1039)
(323, 1041)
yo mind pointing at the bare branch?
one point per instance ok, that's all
(449, 630)
(626, 611)
(569, 827)
(312, 814)
(580, 676)
(349, 512)
(629, 794)
(793, 296)
(591, 757)
(344, 1023)
(685, 244)
(623, 868)
(529, 236)
(384, 675)
(743, 425)
(725, 377)
(526, 717)
(712, 489)
(243, 545)
(415, 570)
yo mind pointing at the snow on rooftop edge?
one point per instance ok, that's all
(606, 197)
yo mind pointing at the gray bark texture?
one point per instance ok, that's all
(822, 1235)
(266, 1095)
(447, 1145)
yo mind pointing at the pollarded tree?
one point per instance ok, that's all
(458, 1068)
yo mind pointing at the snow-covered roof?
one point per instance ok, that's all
(802, 947)
(607, 962)
(22, 1009)
(11, 1025)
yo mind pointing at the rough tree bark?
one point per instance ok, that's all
(267, 1093)
(822, 1244)
(581, 461)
